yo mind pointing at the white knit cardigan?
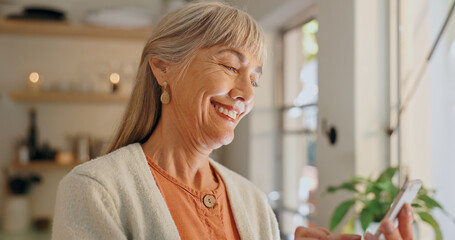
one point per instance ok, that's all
(116, 197)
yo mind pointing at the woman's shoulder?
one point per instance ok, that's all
(110, 166)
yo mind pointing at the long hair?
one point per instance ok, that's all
(174, 40)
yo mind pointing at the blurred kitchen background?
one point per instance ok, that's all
(349, 88)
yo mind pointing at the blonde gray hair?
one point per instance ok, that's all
(174, 40)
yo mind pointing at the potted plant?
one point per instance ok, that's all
(373, 197)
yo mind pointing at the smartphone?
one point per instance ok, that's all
(407, 194)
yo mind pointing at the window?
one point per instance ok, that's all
(298, 124)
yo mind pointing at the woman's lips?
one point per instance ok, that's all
(226, 111)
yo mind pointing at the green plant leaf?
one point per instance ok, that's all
(387, 175)
(366, 217)
(350, 186)
(388, 189)
(372, 187)
(340, 212)
(357, 179)
(376, 208)
(385, 186)
(426, 217)
(416, 205)
(430, 202)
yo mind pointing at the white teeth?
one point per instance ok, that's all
(230, 113)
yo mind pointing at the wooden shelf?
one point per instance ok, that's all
(65, 29)
(43, 165)
(67, 97)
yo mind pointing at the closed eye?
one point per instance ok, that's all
(233, 69)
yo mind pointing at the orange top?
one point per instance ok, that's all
(197, 215)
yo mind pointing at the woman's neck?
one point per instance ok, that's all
(183, 159)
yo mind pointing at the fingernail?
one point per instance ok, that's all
(388, 226)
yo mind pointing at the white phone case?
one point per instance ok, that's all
(406, 195)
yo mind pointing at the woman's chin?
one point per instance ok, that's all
(225, 139)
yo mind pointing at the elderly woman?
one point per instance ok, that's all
(196, 81)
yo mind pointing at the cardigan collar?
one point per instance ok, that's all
(237, 206)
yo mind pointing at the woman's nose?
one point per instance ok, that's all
(242, 89)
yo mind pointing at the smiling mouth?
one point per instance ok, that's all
(224, 111)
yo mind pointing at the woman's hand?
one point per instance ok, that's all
(404, 230)
(318, 233)
(390, 232)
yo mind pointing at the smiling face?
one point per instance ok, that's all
(214, 94)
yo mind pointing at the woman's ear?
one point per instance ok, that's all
(159, 68)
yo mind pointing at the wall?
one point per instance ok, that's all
(442, 115)
(415, 119)
(58, 60)
(353, 95)
(336, 100)
(275, 14)
(257, 8)
(235, 155)
(371, 86)
(415, 116)
(65, 62)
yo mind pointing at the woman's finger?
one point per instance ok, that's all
(344, 237)
(389, 231)
(369, 236)
(405, 222)
(324, 230)
(302, 232)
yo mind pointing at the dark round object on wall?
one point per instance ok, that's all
(332, 134)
